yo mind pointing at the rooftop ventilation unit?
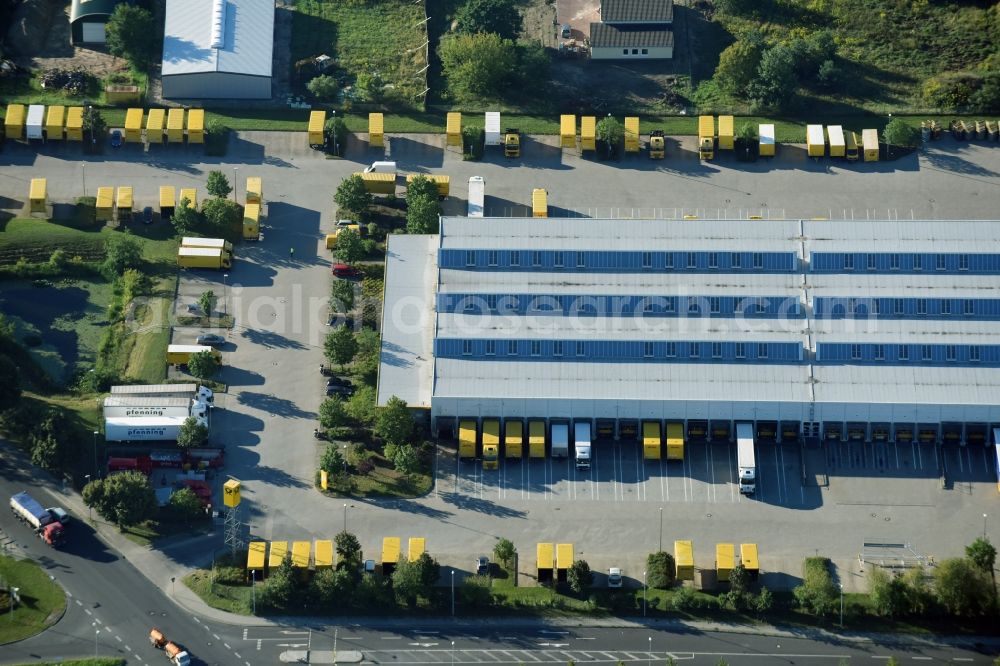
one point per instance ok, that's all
(218, 24)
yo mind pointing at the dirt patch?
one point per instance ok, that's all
(578, 14)
(540, 22)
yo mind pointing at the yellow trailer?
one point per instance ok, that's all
(652, 444)
(323, 554)
(74, 123)
(453, 128)
(588, 133)
(254, 191)
(684, 560)
(815, 142)
(13, 122)
(214, 243)
(168, 201)
(376, 130)
(748, 558)
(567, 131)
(55, 121)
(725, 561)
(191, 194)
(181, 354)
(851, 146)
(545, 561)
(491, 443)
(379, 183)
(104, 209)
(155, 122)
(255, 555)
(37, 196)
(175, 126)
(631, 134)
(301, 550)
(251, 221)
(706, 137)
(467, 439)
(277, 555)
(203, 257)
(835, 134)
(390, 554)
(675, 441)
(196, 126)
(133, 126)
(513, 438)
(539, 203)
(317, 121)
(869, 141)
(415, 547)
(765, 134)
(442, 182)
(564, 560)
(536, 438)
(123, 202)
(727, 132)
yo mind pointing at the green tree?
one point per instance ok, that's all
(121, 251)
(739, 583)
(203, 364)
(394, 423)
(420, 187)
(500, 17)
(405, 459)
(887, 593)
(818, 593)
(207, 302)
(186, 219)
(222, 217)
(370, 86)
(332, 588)
(340, 346)
(218, 185)
(532, 66)
(764, 601)
(323, 87)
(95, 127)
(361, 405)
(422, 215)
(185, 506)
(919, 596)
(736, 7)
(775, 80)
(983, 554)
(661, 570)
(369, 348)
(333, 413)
(278, 587)
(332, 460)
(898, 133)
(962, 588)
(373, 592)
(610, 131)
(430, 570)
(407, 583)
(475, 592)
(504, 552)
(46, 451)
(349, 247)
(130, 34)
(579, 577)
(348, 551)
(10, 383)
(352, 196)
(342, 296)
(335, 133)
(126, 498)
(192, 433)
(738, 64)
(478, 66)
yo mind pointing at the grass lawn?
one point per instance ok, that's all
(232, 598)
(385, 38)
(42, 601)
(146, 533)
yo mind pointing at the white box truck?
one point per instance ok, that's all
(144, 428)
(560, 440)
(202, 393)
(581, 444)
(35, 122)
(477, 196)
(492, 128)
(116, 406)
(746, 460)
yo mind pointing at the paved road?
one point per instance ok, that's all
(110, 605)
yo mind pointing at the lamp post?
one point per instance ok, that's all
(83, 173)
(95, 452)
(13, 601)
(984, 526)
(453, 595)
(644, 594)
(660, 549)
(453, 652)
(225, 285)
(841, 605)
(235, 170)
(90, 509)
(649, 654)
(253, 589)
(345, 516)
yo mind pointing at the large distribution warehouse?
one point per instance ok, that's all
(841, 330)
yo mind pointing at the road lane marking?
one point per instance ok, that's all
(227, 646)
(127, 647)
(87, 611)
(237, 655)
(118, 638)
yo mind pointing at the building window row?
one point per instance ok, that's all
(901, 354)
(620, 306)
(601, 260)
(890, 262)
(621, 351)
(825, 307)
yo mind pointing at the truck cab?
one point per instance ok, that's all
(656, 145)
(512, 142)
(581, 440)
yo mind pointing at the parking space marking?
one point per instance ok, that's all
(664, 481)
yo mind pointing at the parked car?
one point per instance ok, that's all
(211, 339)
(566, 31)
(345, 271)
(342, 390)
(339, 319)
(482, 566)
(194, 308)
(147, 215)
(116, 139)
(614, 577)
(345, 223)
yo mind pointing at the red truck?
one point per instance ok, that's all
(49, 524)
(141, 463)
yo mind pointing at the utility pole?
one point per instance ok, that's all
(660, 550)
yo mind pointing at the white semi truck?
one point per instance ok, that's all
(192, 391)
(477, 196)
(118, 406)
(581, 444)
(144, 428)
(746, 460)
(560, 440)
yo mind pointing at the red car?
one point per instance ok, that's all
(345, 271)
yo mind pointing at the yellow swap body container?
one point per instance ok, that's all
(725, 560)
(567, 131)
(536, 438)
(376, 130)
(838, 146)
(379, 183)
(279, 549)
(55, 121)
(124, 199)
(467, 439)
(317, 119)
(545, 560)
(675, 441)
(632, 134)
(255, 190)
(564, 556)
(651, 440)
(251, 221)
(415, 547)
(155, 121)
(765, 133)
(74, 123)
(539, 203)
(13, 122)
(168, 200)
(726, 132)
(441, 181)
(300, 554)
(588, 133)
(851, 146)
(105, 205)
(37, 197)
(175, 126)
(491, 443)
(513, 438)
(196, 126)
(255, 555)
(191, 194)
(133, 126)
(453, 128)
(323, 554)
(869, 142)
(390, 550)
(748, 557)
(684, 560)
(815, 142)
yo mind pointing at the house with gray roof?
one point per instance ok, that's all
(640, 29)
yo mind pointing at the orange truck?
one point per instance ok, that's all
(174, 652)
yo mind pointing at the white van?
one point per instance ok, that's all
(381, 167)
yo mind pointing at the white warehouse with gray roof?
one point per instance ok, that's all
(874, 331)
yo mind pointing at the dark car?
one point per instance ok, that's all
(116, 139)
(482, 566)
(212, 339)
(338, 319)
(345, 271)
(340, 389)
(333, 380)
(147, 215)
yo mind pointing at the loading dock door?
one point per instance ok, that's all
(94, 33)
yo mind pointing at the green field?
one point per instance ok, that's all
(42, 601)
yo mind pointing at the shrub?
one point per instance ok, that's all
(323, 88)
